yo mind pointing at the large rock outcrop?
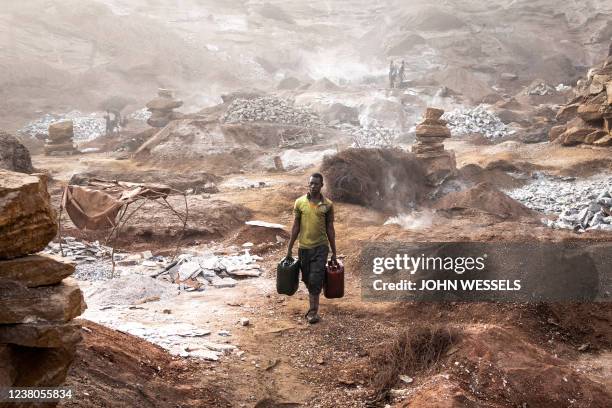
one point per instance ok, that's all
(13, 155)
(587, 119)
(37, 299)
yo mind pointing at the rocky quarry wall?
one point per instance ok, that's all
(587, 119)
(38, 300)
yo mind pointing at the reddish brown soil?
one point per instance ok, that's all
(484, 197)
(114, 369)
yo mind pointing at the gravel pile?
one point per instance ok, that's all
(371, 136)
(92, 260)
(465, 121)
(86, 126)
(579, 204)
(101, 269)
(539, 88)
(79, 251)
(141, 115)
(270, 109)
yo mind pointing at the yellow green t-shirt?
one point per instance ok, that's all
(313, 231)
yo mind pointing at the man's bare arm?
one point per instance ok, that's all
(331, 234)
(295, 231)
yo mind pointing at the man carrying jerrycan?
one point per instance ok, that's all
(313, 228)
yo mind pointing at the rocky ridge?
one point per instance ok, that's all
(588, 117)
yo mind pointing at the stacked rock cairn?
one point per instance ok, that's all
(162, 108)
(60, 139)
(429, 147)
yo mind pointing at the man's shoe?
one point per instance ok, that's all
(312, 317)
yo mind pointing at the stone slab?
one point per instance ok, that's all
(432, 130)
(35, 270)
(57, 303)
(575, 135)
(44, 335)
(27, 220)
(590, 113)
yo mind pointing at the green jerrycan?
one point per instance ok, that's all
(287, 276)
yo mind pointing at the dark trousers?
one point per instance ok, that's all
(312, 265)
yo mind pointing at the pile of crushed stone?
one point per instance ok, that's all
(270, 109)
(578, 204)
(465, 121)
(86, 126)
(141, 115)
(371, 136)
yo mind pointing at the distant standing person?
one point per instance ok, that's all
(313, 228)
(400, 74)
(112, 124)
(392, 74)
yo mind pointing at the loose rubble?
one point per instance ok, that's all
(141, 115)
(465, 121)
(578, 204)
(371, 136)
(190, 272)
(540, 88)
(92, 260)
(86, 126)
(195, 272)
(270, 109)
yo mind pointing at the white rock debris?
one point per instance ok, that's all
(374, 135)
(465, 121)
(86, 126)
(141, 115)
(270, 109)
(580, 205)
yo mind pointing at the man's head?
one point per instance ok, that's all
(315, 184)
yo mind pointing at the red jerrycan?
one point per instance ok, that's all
(334, 280)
